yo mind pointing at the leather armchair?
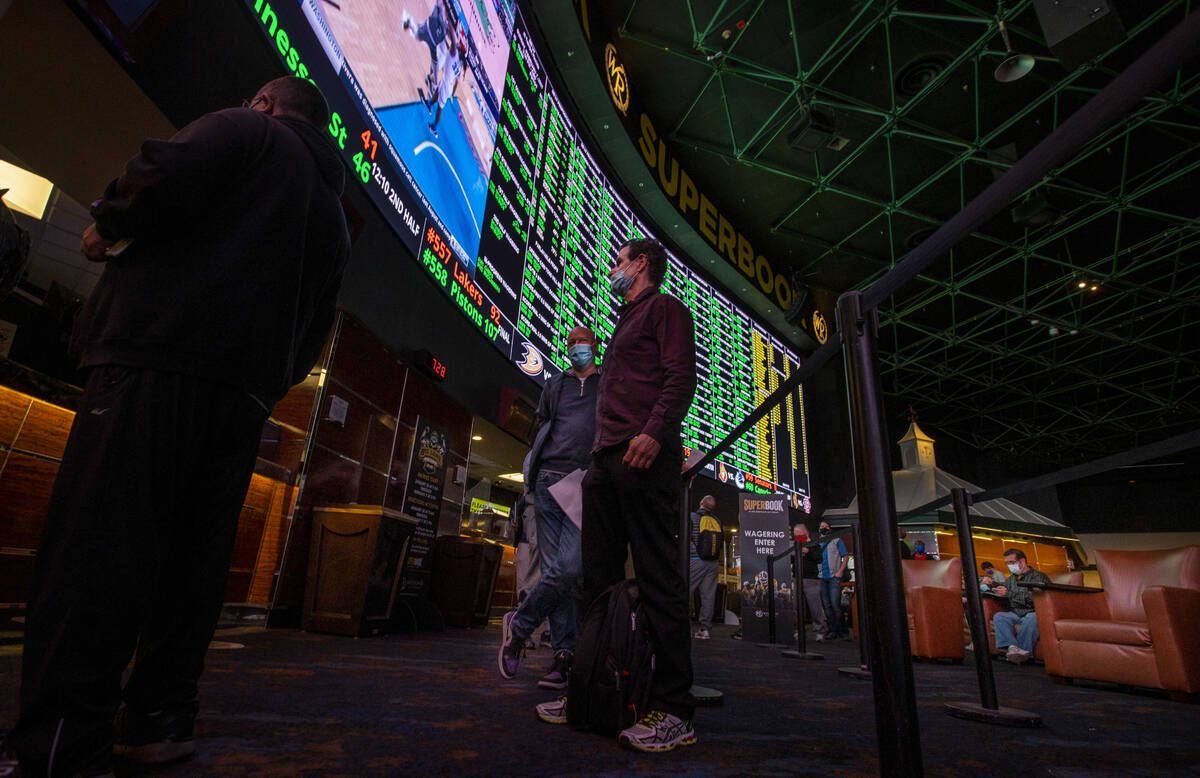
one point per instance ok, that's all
(933, 599)
(1142, 630)
(991, 606)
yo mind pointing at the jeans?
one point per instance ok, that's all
(1025, 638)
(831, 601)
(812, 600)
(703, 575)
(556, 593)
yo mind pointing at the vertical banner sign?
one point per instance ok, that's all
(423, 498)
(763, 519)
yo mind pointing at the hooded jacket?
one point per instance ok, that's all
(238, 247)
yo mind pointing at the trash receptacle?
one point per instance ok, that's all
(354, 561)
(464, 577)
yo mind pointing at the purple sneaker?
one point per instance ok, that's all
(511, 647)
(557, 677)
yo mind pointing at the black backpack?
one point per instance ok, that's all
(709, 540)
(608, 688)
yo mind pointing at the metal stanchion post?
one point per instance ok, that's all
(988, 710)
(896, 726)
(801, 651)
(864, 623)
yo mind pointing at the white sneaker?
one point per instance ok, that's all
(702, 634)
(1018, 656)
(553, 712)
(658, 731)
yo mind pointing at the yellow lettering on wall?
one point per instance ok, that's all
(689, 196)
(646, 142)
(762, 272)
(783, 292)
(745, 252)
(669, 184)
(720, 233)
(727, 243)
(708, 219)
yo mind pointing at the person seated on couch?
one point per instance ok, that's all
(1018, 589)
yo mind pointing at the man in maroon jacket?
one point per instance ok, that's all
(234, 247)
(632, 490)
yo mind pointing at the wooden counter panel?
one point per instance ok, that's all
(25, 486)
(249, 533)
(295, 409)
(45, 430)
(283, 498)
(13, 407)
(15, 573)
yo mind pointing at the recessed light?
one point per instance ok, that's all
(476, 437)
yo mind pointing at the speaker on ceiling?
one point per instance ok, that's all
(1078, 30)
(798, 310)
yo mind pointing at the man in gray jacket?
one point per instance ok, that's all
(566, 418)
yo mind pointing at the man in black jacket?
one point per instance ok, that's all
(224, 249)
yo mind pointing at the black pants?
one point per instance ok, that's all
(134, 554)
(640, 509)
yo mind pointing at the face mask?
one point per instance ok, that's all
(1015, 568)
(621, 283)
(580, 355)
(824, 531)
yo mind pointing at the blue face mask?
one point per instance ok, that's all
(580, 355)
(621, 283)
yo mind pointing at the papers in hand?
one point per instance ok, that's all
(568, 493)
(696, 455)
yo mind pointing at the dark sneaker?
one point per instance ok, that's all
(553, 712)
(737, 635)
(557, 677)
(154, 738)
(658, 731)
(511, 647)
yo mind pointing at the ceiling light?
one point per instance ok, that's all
(1094, 287)
(1083, 284)
(27, 193)
(517, 477)
(1014, 65)
(476, 437)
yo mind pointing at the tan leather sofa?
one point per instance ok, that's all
(1142, 630)
(933, 599)
(991, 606)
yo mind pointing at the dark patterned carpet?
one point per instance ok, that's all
(294, 703)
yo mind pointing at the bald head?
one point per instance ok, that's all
(581, 334)
(295, 97)
(708, 502)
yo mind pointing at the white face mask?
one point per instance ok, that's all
(1015, 568)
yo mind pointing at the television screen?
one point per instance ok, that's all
(447, 117)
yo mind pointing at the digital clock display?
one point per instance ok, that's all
(444, 111)
(432, 366)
